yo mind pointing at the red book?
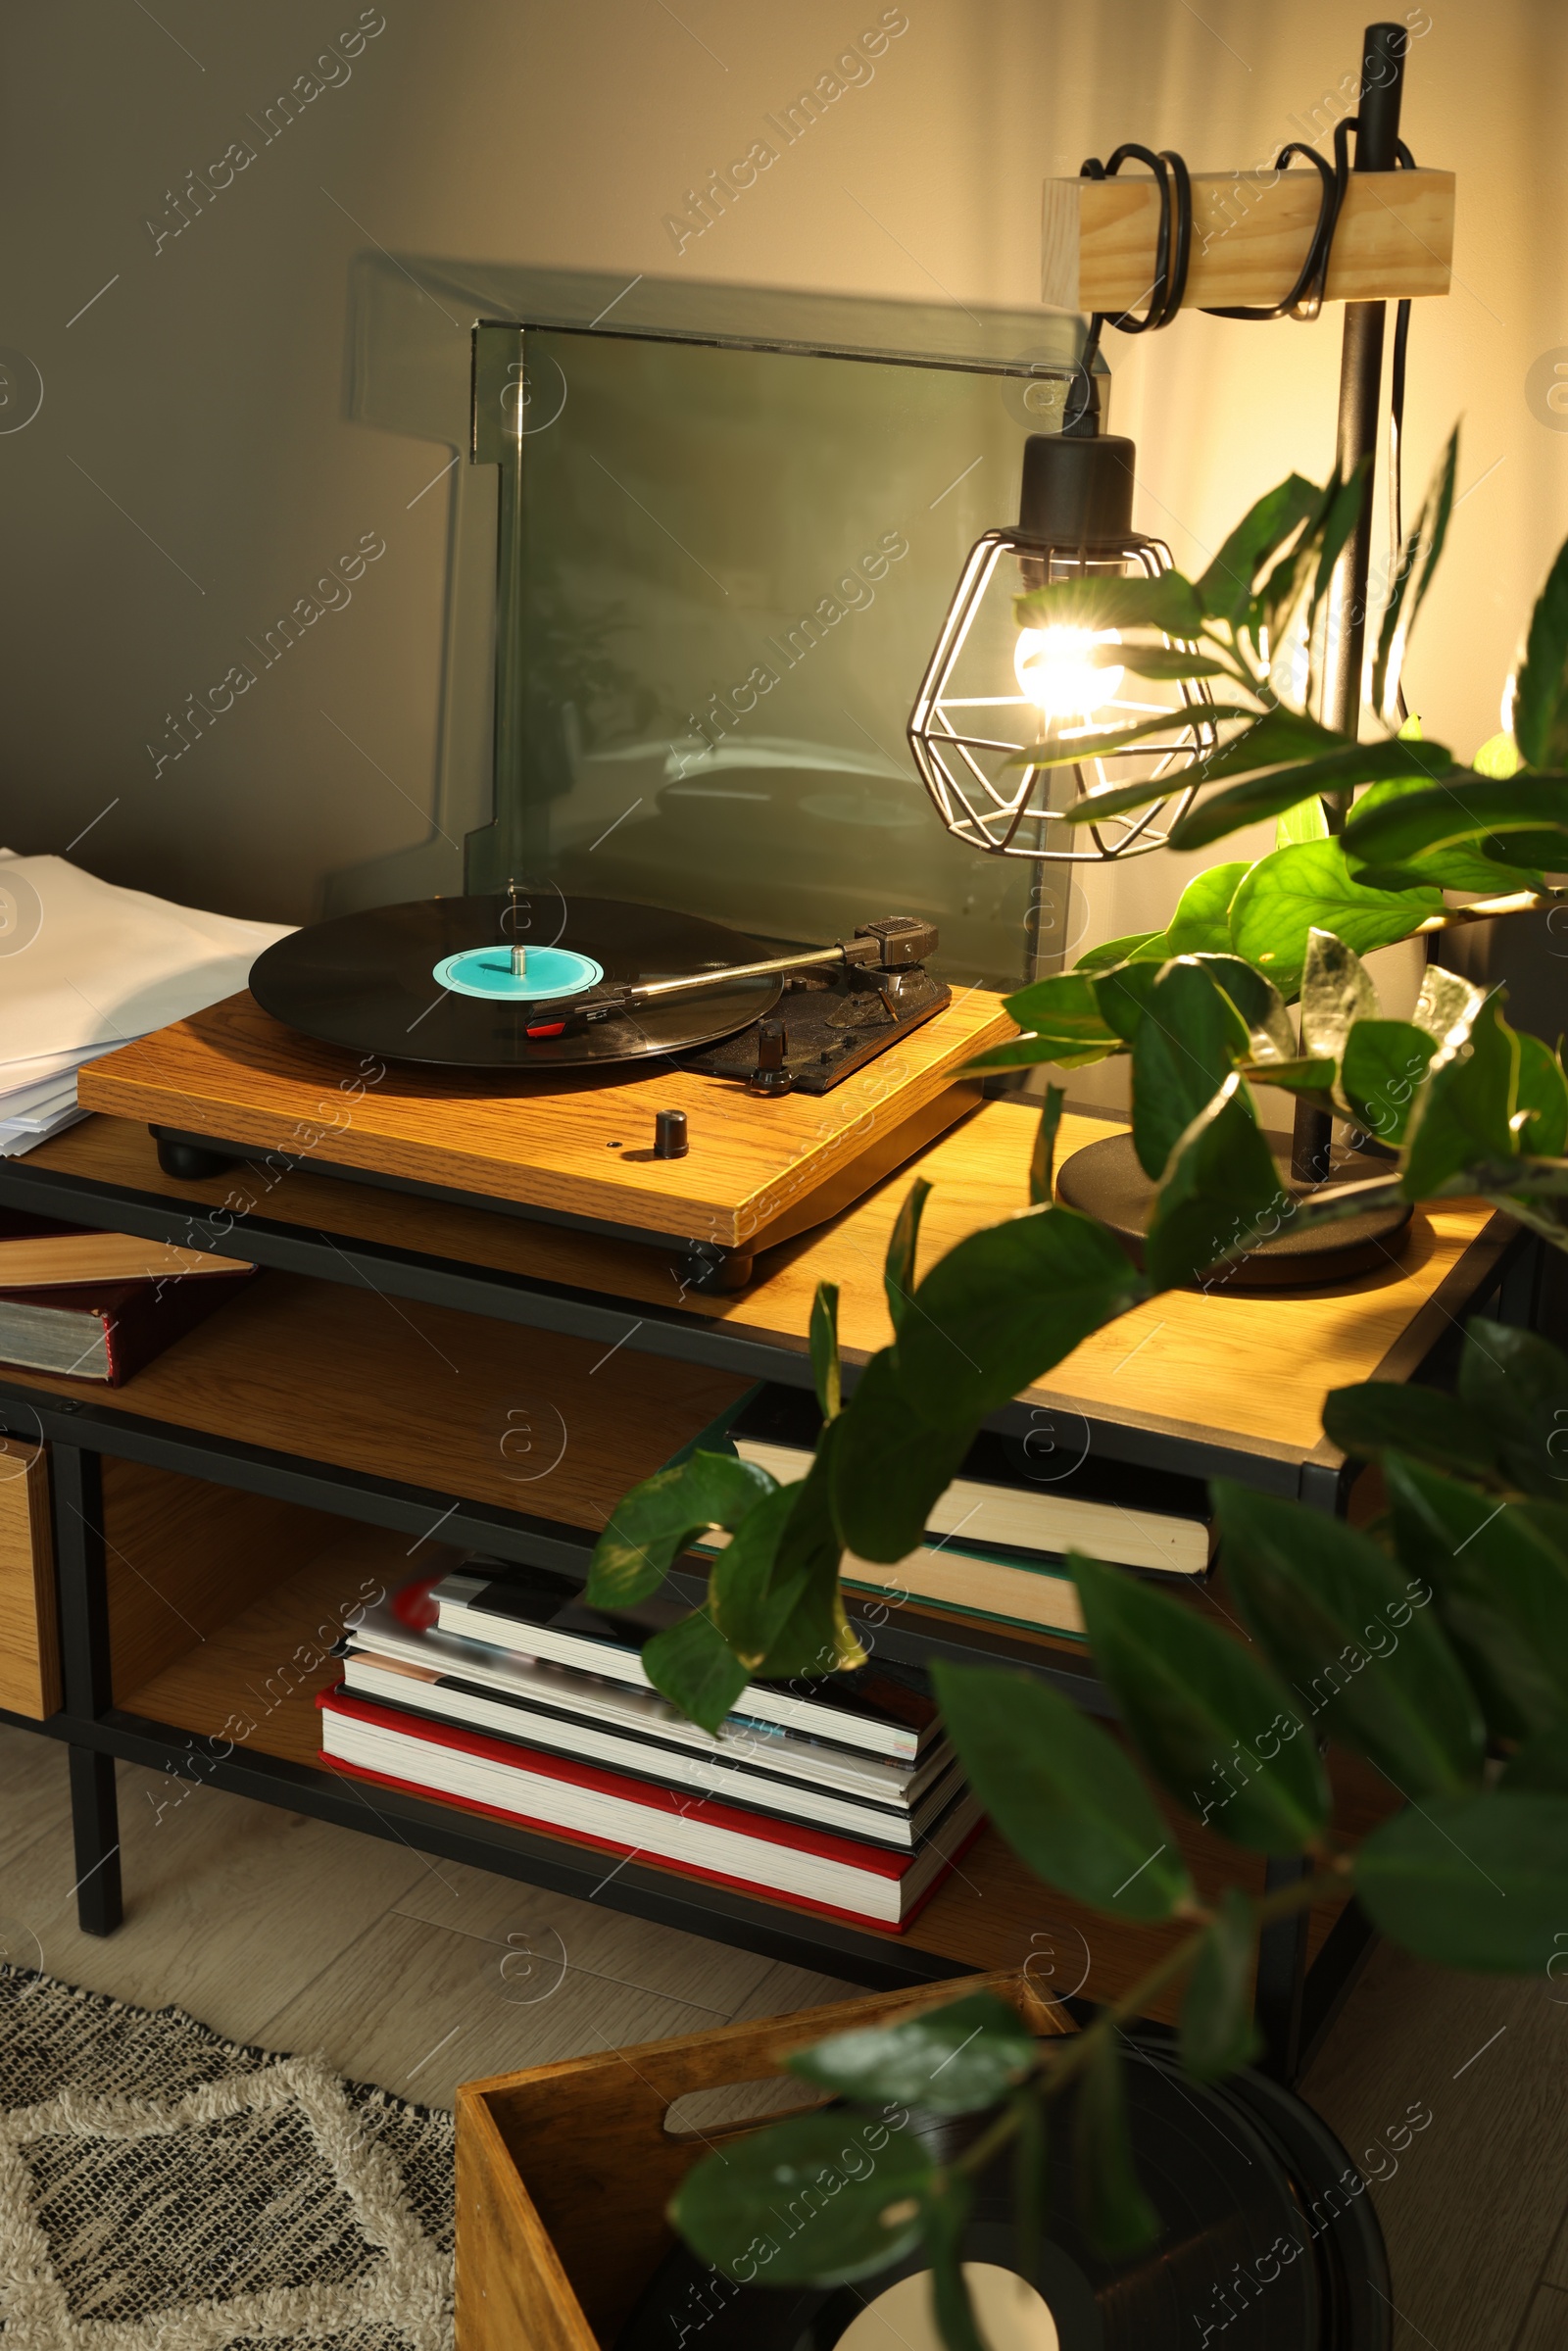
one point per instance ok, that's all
(617, 1813)
(107, 1330)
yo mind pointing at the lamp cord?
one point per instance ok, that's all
(1173, 249)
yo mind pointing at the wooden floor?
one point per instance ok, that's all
(419, 1974)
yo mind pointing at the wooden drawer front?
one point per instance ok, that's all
(30, 1649)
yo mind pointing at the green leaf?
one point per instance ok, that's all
(1187, 1044)
(1272, 618)
(1158, 660)
(1342, 512)
(1122, 995)
(743, 1598)
(1517, 1384)
(1073, 750)
(1541, 1768)
(657, 1520)
(1384, 1066)
(693, 1665)
(1446, 1006)
(1499, 755)
(1219, 2030)
(1539, 718)
(1380, 1417)
(1137, 947)
(890, 1464)
(1201, 924)
(1500, 1573)
(1307, 822)
(824, 1345)
(1256, 999)
(1031, 2182)
(774, 1590)
(1336, 993)
(946, 2219)
(1222, 1190)
(1092, 600)
(1284, 788)
(1413, 577)
(1543, 1091)
(1063, 1007)
(1344, 1626)
(1474, 1884)
(952, 2060)
(1277, 736)
(1464, 809)
(1197, 1704)
(1062, 1793)
(1003, 1308)
(1302, 1074)
(898, 1270)
(1462, 1117)
(1296, 890)
(1456, 866)
(821, 2199)
(1031, 1053)
(1043, 1159)
(1118, 2217)
(1226, 588)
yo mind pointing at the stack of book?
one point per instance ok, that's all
(997, 1543)
(99, 1305)
(497, 1688)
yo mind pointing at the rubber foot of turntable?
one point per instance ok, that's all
(186, 1161)
(1106, 1180)
(716, 1272)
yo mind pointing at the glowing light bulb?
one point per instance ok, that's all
(1055, 672)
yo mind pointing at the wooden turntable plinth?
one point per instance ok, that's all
(570, 1147)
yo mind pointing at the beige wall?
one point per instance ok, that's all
(204, 392)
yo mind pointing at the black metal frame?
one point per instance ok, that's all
(1293, 2004)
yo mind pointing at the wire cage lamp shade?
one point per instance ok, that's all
(995, 692)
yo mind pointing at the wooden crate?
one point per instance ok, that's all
(564, 2172)
(30, 1649)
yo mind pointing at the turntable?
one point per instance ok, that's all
(590, 1063)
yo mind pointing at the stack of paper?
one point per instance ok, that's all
(85, 965)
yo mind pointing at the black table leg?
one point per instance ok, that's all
(87, 1671)
(1282, 1976)
(95, 1827)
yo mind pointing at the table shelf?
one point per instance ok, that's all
(394, 1379)
(243, 1700)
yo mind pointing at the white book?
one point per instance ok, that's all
(1041, 1518)
(640, 1713)
(732, 1776)
(481, 1608)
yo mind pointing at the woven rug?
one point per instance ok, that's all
(164, 2190)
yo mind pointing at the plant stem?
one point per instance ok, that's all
(1054, 2071)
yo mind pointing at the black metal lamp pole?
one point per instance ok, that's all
(1377, 143)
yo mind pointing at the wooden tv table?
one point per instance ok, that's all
(411, 1378)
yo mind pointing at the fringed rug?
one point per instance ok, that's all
(164, 2190)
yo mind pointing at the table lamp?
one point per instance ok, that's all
(1252, 246)
(994, 689)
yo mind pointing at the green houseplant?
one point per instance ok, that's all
(1436, 1648)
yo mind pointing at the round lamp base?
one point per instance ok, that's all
(1106, 1180)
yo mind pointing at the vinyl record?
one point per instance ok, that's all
(391, 981)
(1233, 2177)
